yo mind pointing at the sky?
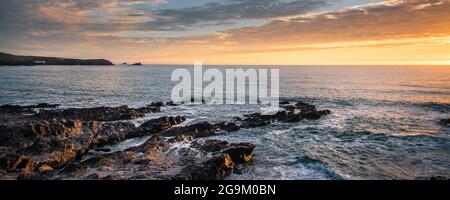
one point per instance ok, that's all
(247, 32)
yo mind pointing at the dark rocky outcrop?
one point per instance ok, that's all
(284, 102)
(37, 140)
(171, 103)
(445, 122)
(291, 113)
(158, 158)
(25, 109)
(38, 146)
(13, 60)
(158, 125)
(89, 114)
(198, 130)
(227, 157)
(45, 145)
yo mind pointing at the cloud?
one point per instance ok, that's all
(133, 27)
(417, 24)
(229, 11)
(386, 20)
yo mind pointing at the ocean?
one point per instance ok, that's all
(384, 122)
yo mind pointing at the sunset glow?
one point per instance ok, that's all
(286, 32)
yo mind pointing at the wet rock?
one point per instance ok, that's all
(111, 133)
(160, 124)
(212, 145)
(47, 145)
(154, 107)
(151, 109)
(284, 102)
(145, 160)
(11, 163)
(240, 153)
(25, 109)
(46, 105)
(230, 127)
(157, 104)
(52, 145)
(229, 155)
(171, 103)
(445, 122)
(291, 113)
(181, 138)
(203, 129)
(305, 106)
(314, 114)
(32, 148)
(158, 159)
(92, 114)
(256, 120)
(216, 168)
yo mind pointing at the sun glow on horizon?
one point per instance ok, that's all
(391, 32)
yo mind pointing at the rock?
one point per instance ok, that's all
(291, 113)
(152, 108)
(230, 127)
(212, 145)
(284, 102)
(51, 145)
(13, 162)
(114, 132)
(157, 104)
(216, 168)
(181, 138)
(445, 122)
(255, 120)
(45, 145)
(137, 64)
(103, 149)
(171, 103)
(220, 166)
(203, 129)
(25, 109)
(160, 124)
(157, 159)
(46, 105)
(240, 152)
(90, 114)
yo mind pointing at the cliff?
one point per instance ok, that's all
(13, 60)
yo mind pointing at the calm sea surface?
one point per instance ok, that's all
(384, 123)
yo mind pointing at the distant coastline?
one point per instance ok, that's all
(17, 60)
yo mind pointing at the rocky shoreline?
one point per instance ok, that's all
(45, 142)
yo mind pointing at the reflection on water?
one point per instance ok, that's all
(383, 126)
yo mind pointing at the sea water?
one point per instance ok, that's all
(384, 121)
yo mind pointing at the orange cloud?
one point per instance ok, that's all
(389, 32)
